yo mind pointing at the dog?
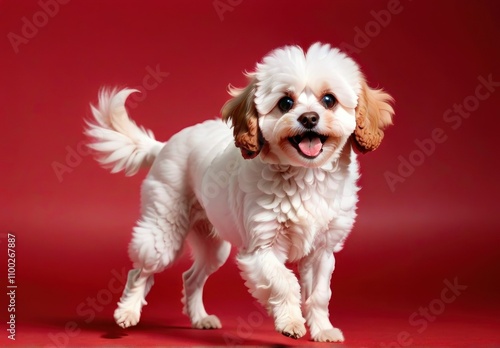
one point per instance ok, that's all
(275, 176)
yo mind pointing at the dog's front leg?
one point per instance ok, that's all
(315, 274)
(276, 288)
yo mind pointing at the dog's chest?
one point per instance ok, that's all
(295, 205)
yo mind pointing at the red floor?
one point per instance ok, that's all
(249, 327)
(77, 311)
(381, 298)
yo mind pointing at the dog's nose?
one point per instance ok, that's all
(309, 119)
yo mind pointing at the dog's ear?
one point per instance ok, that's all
(373, 114)
(240, 109)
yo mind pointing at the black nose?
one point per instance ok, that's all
(309, 119)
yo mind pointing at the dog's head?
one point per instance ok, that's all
(302, 108)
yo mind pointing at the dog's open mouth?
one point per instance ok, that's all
(308, 144)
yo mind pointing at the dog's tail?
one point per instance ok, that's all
(117, 141)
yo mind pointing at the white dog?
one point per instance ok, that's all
(288, 194)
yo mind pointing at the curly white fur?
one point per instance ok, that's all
(275, 208)
(120, 143)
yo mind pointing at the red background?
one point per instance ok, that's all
(439, 222)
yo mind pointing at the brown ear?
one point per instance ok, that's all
(242, 112)
(373, 114)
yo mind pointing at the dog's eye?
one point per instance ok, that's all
(285, 104)
(328, 101)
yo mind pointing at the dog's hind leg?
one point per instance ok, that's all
(133, 298)
(157, 240)
(209, 253)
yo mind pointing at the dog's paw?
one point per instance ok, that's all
(294, 329)
(126, 317)
(330, 335)
(209, 322)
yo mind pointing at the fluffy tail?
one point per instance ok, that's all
(118, 142)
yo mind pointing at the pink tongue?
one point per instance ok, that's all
(311, 147)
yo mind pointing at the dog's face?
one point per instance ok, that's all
(301, 108)
(306, 104)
